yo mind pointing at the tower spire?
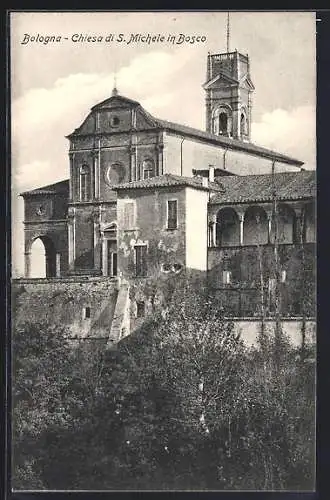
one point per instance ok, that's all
(228, 32)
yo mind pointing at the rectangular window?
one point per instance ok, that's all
(172, 214)
(141, 260)
(140, 308)
(147, 174)
(226, 277)
(129, 222)
(87, 312)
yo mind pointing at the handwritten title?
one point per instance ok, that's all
(132, 38)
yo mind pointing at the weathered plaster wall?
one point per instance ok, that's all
(198, 155)
(164, 246)
(196, 229)
(63, 302)
(250, 331)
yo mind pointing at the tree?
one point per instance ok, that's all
(179, 404)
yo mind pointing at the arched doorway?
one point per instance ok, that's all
(255, 226)
(42, 258)
(227, 229)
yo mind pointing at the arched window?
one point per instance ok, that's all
(85, 183)
(243, 124)
(255, 226)
(148, 168)
(223, 124)
(227, 228)
(222, 121)
(284, 225)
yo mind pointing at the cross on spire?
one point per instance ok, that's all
(114, 90)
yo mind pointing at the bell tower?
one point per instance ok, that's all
(228, 90)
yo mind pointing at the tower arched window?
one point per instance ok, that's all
(85, 183)
(222, 121)
(243, 124)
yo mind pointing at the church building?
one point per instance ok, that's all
(147, 197)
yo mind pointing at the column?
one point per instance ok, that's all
(213, 239)
(71, 239)
(96, 233)
(96, 174)
(104, 256)
(92, 177)
(27, 264)
(58, 265)
(299, 233)
(160, 163)
(133, 176)
(49, 266)
(241, 229)
(71, 181)
(269, 219)
(208, 108)
(98, 181)
(235, 114)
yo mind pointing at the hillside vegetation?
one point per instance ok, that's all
(180, 404)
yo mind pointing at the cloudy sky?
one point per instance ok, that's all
(54, 85)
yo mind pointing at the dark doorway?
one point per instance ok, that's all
(112, 258)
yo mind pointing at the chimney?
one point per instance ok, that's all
(211, 173)
(205, 182)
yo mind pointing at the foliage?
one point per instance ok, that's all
(180, 404)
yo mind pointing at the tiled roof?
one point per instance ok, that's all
(227, 142)
(250, 188)
(168, 180)
(61, 187)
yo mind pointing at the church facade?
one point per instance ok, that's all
(147, 197)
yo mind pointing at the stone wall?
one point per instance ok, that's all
(66, 302)
(86, 307)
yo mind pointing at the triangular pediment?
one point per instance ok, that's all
(220, 78)
(246, 82)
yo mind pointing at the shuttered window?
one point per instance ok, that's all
(141, 260)
(172, 214)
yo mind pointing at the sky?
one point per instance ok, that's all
(54, 84)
